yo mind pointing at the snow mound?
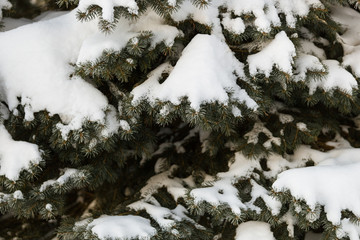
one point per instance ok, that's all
(278, 53)
(121, 227)
(254, 230)
(206, 61)
(16, 156)
(317, 185)
(41, 75)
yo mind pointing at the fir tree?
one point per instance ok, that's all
(179, 119)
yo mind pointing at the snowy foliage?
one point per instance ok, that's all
(180, 119)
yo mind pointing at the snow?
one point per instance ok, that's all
(4, 4)
(307, 47)
(16, 156)
(317, 185)
(302, 127)
(222, 191)
(285, 118)
(49, 207)
(18, 195)
(111, 122)
(253, 136)
(236, 111)
(278, 53)
(41, 75)
(172, 3)
(206, 61)
(289, 7)
(253, 230)
(337, 77)
(124, 227)
(304, 64)
(259, 191)
(206, 15)
(165, 217)
(67, 175)
(348, 229)
(235, 25)
(349, 19)
(46, 52)
(124, 125)
(290, 221)
(265, 11)
(11, 23)
(126, 31)
(173, 185)
(69, 172)
(108, 7)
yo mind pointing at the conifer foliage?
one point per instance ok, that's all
(179, 119)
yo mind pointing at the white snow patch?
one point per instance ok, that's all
(124, 227)
(16, 156)
(235, 25)
(126, 31)
(49, 207)
(304, 64)
(69, 173)
(173, 185)
(206, 61)
(278, 53)
(18, 194)
(41, 74)
(254, 230)
(259, 191)
(266, 12)
(290, 221)
(165, 217)
(317, 185)
(348, 229)
(222, 191)
(337, 77)
(349, 19)
(108, 7)
(285, 118)
(11, 23)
